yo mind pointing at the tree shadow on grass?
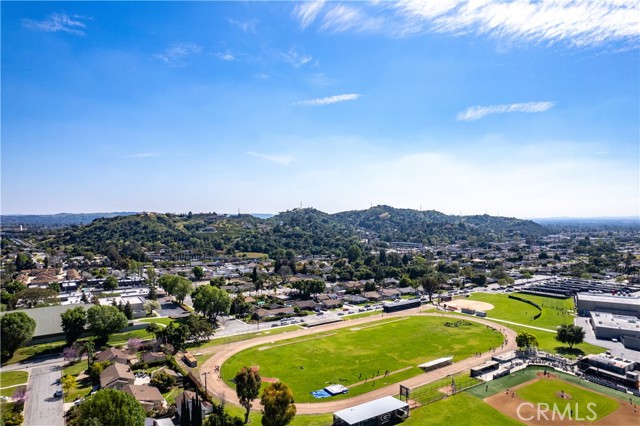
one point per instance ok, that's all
(565, 351)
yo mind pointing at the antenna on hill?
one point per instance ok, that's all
(420, 207)
(238, 211)
(300, 204)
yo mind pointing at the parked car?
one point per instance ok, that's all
(57, 394)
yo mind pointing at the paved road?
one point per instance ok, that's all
(41, 408)
(222, 353)
(616, 348)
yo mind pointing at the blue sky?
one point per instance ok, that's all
(513, 108)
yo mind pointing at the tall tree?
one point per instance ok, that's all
(198, 272)
(182, 289)
(570, 334)
(211, 301)
(74, 321)
(430, 285)
(247, 388)
(110, 407)
(196, 411)
(111, 283)
(105, 320)
(185, 415)
(278, 403)
(23, 261)
(16, 329)
(526, 340)
(32, 297)
(128, 310)
(89, 348)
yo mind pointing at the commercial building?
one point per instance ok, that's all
(619, 305)
(383, 411)
(625, 329)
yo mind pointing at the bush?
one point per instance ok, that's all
(95, 370)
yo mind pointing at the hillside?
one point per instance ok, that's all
(305, 231)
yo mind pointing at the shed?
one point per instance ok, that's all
(387, 410)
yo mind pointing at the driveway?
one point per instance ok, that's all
(41, 408)
(169, 308)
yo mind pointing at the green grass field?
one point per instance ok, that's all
(549, 391)
(554, 313)
(459, 410)
(9, 392)
(12, 378)
(163, 321)
(349, 356)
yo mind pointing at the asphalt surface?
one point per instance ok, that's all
(616, 348)
(41, 408)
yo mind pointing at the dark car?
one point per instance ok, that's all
(57, 394)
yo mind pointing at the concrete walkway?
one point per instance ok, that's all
(521, 325)
(220, 389)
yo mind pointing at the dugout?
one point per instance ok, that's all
(401, 305)
(437, 363)
(383, 411)
(484, 368)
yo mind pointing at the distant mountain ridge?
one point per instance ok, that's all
(55, 220)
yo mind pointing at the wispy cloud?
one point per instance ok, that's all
(295, 58)
(225, 56)
(577, 23)
(477, 112)
(246, 26)
(143, 155)
(71, 24)
(580, 23)
(284, 160)
(343, 18)
(306, 12)
(330, 99)
(176, 53)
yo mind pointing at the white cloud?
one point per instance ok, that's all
(58, 22)
(225, 56)
(477, 112)
(175, 54)
(284, 160)
(330, 99)
(295, 58)
(577, 23)
(343, 18)
(306, 12)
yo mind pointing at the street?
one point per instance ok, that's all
(41, 408)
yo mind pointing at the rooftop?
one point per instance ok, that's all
(370, 409)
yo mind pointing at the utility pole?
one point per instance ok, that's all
(206, 391)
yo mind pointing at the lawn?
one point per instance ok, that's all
(242, 337)
(351, 357)
(75, 369)
(461, 409)
(28, 352)
(554, 313)
(12, 378)
(549, 392)
(10, 391)
(119, 339)
(164, 321)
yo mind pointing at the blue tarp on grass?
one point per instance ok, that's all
(321, 394)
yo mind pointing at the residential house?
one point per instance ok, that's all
(153, 357)
(148, 396)
(390, 293)
(332, 304)
(373, 295)
(116, 376)
(308, 305)
(115, 355)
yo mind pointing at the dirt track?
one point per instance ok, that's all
(218, 388)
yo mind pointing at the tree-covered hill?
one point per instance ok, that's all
(432, 227)
(304, 231)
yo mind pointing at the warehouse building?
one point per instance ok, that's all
(622, 328)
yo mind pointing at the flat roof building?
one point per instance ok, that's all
(387, 410)
(623, 328)
(620, 305)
